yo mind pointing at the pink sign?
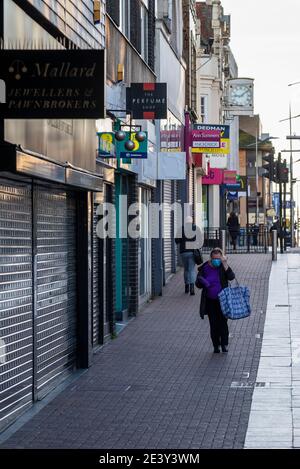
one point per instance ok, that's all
(206, 138)
(214, 176)
(230, 177)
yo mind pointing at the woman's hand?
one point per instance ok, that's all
(224, 262)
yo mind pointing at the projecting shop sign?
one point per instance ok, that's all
(213, 139)
(147, 100)
(53, 84)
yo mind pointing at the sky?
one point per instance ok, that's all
(265, 40)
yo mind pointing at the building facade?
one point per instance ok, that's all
(215, 65)
(47, 184)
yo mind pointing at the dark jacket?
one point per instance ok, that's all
(233, 225)
(225, 277)
(183, 239)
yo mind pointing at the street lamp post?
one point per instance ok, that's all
(291, 170)
(257, 141)
(291, 183)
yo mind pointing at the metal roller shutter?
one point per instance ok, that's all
(100, 326)
(176, 220)
(192, 190)
(167, 198)
(56, 287)
(95, 284)
(16, 300)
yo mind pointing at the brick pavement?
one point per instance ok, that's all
(158, 385)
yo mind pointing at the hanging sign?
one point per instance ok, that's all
(214, 176)
(53, 84)
(206, 138)
(172, 140)
(230, 177)
(213, 139)
(147, 100)
(140, 150)
(106, 145)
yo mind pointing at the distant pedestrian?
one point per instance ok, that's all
(213, 276)
(183, 238)
(233, 228)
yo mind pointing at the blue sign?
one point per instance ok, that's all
(129, 154)
(276, 203)
(287, 204)
(232, 196)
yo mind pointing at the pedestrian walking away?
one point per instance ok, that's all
(233, 228)
(188, 253)
(213, 276)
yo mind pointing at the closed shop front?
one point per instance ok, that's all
(177, 223)
(167, 228)
(191, 172)
(144, 246)
(38, 292)
(102, 273)
(16, 299)
(55, 325)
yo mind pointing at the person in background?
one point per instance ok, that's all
(233, 228)
(213, 276)
(187, 253)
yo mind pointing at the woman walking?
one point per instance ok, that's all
(213, 276)
(233, 228)
(187, 254)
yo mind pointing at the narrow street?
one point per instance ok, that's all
(158, 385)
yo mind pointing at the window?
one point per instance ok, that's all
(203, 109)
(144, 32)
(125, 17)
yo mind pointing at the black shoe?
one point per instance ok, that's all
(187, 288)
(224, 349)
(192, 289)
(216, 350)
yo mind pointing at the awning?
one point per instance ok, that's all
(16, 160)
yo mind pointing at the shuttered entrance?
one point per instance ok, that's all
(96, 326)
(176, 223)
(16, 300)
(56, 286)
(192, 190)
(38, 324)
(167, 221)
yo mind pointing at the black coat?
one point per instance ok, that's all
(225, 277)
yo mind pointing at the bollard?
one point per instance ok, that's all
(223, 241)
(274, 245)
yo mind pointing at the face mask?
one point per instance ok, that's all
(216, 262)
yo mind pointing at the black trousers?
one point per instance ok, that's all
(218, 323)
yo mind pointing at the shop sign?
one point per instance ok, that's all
(212, 139)
(106, 145)
(206, 139)
(171, 140)
(232, 196)
(229, 177)
(53, 84)
(214, 176)
(242, 180)
(147, 100)
(140, 150)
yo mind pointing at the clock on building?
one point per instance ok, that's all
(240, 96)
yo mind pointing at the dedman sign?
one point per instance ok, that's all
(52, 84)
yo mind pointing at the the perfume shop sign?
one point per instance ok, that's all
(147, 100)
(52, 84)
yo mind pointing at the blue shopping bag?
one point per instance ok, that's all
(235, 302)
